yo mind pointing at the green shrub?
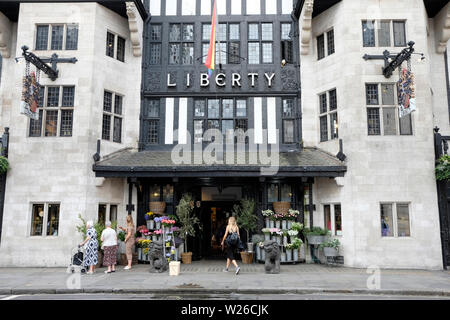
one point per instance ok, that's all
(443, 168)
(4, 165)
(316, 231)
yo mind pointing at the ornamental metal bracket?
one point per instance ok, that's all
(392, 61)
(41, 63)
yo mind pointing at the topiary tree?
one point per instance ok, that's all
(245, 215)
(186, 219)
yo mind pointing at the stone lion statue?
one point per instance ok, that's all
(158, 263)
(273, 256)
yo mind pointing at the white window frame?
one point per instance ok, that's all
(333, 230)
(113, 114)
(325, 44)
(49, 35)
(45, 219)
(394, 219)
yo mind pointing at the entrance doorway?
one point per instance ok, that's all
(214, 220)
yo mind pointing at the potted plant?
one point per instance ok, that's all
(267, 214)
(158, 222)
(187, 223)
(266, 232)
(150, 222)
(316, 235)
(4, 165)
(443, 168)
(296, 226)
(257, 238)
(246, 219)
(291, 216)
(276, 233)
(296, 243)
(289, 248)
(331, 248)
(285, 237)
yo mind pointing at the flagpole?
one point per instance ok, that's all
(218, 39)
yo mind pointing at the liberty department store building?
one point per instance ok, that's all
(290, 73)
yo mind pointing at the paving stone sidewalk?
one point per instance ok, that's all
(208, 277)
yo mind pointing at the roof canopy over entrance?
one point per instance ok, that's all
(309, 162)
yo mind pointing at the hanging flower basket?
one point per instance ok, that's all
(4, 165)
(158, 207)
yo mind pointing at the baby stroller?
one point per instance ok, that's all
(77, 261)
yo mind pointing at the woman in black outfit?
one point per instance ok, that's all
(231, 249)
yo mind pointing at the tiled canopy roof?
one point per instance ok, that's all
(130, 162)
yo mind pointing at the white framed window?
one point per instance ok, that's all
(112, 116)
(56, 37)
(332, 214)
(382, 111)
(384, 33)
(328, 116)
(44, 219)
(115, 46)
(325, 44)
(395, 219)
(107, 212)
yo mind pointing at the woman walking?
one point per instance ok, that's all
(91, 257)
(129, 240)
(109, 240)
(232, 236)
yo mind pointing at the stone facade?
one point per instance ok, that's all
(59, 169)
(381, 169)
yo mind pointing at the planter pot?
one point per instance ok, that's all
(295, 254)
(289, 224)
(283, 257)
(100, 259)
(278, 224)
(263, 254)
(258, 253)
(154, 238)
(281, 207)
(288, 254)
(158, 225)
(139, 251)
(158, 207)
(186, 257)
(147, 237)
(150, 224)
(285, 240)
(278, 239)
(330, 252)
(272, 224)
(250, 246)
(267, 222)
(144, 256)
(247, 257)
(315, 239)
(283, 224)
(122, 247)
(266, 236)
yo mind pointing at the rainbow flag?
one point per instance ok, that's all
(211, 59)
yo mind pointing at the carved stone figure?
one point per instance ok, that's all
(158, 263)
(273, 256)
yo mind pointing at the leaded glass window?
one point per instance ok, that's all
(57, 37)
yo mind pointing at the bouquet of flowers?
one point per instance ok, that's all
(267, 213)
(277, 216)
(292, 233)
(158, 232)
(289, 246)
(174, 229)
(139, 242)
(296, 243)
(144, 231)
(141, 228)
(265, 230)
(149, 215)
(297, 226)
(276, 231)
(158, 219)
(292, 214)
(167, 222)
